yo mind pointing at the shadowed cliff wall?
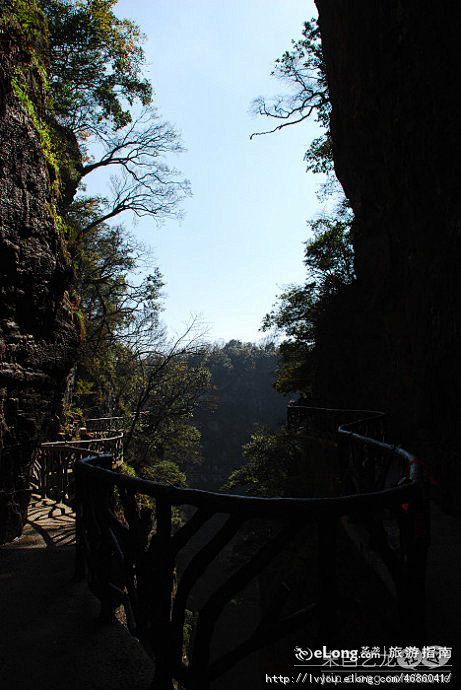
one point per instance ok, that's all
(393, 340)
(37, 334)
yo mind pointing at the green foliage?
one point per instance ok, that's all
(303, 69)
(287, 463)
(19, 83)
(29, 76)
(273, 466)
(94, 83)
(328, 256)
(126, 366)
(86, 64)
(164, 472)
(127, 469)
(242, 396)
(187, 629)
(169, 389)
(113, 307)
(29, 81)
(95, 64)
(91, 82)
(329, 262)
(111, 299)
(26, 18)
(319, 155)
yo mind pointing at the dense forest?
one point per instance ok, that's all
(241, 402)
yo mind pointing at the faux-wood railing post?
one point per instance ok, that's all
(327, 578)
(80, 565)
(104, 501)
(161, 599)
(145, 586)
(414, 586)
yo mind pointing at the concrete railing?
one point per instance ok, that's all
(130, 551)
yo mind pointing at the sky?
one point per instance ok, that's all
(241, 240)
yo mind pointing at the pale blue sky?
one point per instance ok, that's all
(241, 239)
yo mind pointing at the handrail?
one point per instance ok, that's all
(415, 468)
(343, 432)
(102, 419)
(81, 441)
(130, 556)
(237, 503)
(52, 467)
(98, 423)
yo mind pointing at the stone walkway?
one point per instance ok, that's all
(50, 636)
(444, 582)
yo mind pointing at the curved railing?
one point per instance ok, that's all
(130, 552)
(53, 465)
(105, 423)
(394, 544)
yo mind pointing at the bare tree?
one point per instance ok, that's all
(167, 385)
(302, 70)
(141, 181)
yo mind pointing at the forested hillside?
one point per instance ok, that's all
(241, 400)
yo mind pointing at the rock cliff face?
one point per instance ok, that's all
(394, 75)
(38, 338)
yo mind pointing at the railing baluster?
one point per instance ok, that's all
(161, 597)
(327, 577)
(80, 566)
(125, 568)
(194, 570)
(413, 587)
(103, 504)
(215, 604)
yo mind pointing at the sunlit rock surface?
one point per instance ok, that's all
(37, 334)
